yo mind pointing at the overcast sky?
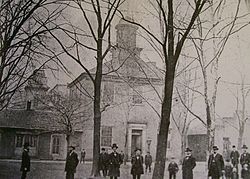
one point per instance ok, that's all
(234, 62)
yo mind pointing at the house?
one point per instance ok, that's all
(28, 120)
(131, 98)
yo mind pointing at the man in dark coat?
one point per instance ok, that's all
(25, 166)
(137, 165)
(103, 162)
(115, 161)
(234, 156)
(188, 165)
(245, 156)
(148, 162)
(215, 164)
(71, 163)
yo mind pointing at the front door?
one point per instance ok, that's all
(136, 142)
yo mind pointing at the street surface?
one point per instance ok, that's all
(9, 169)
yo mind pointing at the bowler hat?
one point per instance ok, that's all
(215, 148)
(114, 146)
(137, 149)
(244, 146)
(26, 145)
(72, 147)
(188, 150)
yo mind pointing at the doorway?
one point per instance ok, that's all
(136, 141)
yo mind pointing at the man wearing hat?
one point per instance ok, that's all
(25, 166)
(137, 164)
(71, 163)
(115, 161)
(245, 156)
(215, 164)
(234, 156)
(188, 165)
(103, 162)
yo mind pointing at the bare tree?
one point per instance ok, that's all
(24, 46)
(67, 111)
(221, 28)
(97, 18)
(170, 46)
(241, 111)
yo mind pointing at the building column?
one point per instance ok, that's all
(129, 141)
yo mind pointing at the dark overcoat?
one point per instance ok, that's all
(25, 161)
(148, 159)
(187, 167)
(245, 158)
(215, 165)
(137, 165)
(115, 161)
(173, 167)
(103, 161)
(234, 156)
(71, 162)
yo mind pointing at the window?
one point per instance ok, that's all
(21, 139)
(106, 136)
(137, 98)
(55, 144)
(108, 93)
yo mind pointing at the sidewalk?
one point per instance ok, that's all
(41, 169)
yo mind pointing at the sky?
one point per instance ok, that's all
(234, 62)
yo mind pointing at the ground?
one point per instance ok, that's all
(9, 169)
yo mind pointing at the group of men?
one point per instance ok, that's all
(216, 167)
(109, 164)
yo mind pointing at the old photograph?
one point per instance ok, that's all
(125, 89)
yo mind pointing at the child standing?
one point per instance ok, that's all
(228, 169)
(148, 161)
(235, 174)
(172, 169)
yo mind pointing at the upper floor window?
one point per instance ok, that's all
(106, 136)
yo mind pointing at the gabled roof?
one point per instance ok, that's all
(132, 67)
(29, 119)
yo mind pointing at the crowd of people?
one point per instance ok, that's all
(109, 163)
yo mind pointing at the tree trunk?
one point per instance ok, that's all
(97, 111)
(164, 124)
(183, 144)
(241, 133)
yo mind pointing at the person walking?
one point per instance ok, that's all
(25, 165)
(245, 156)
(83, 154)
(103, 162)
(172, 169)
(137, 165)
(234, 156)
(115, 161)
(188, 165)
(71, 163)
(148, 162)
(215, 164)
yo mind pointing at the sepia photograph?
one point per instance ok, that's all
(125, 89)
